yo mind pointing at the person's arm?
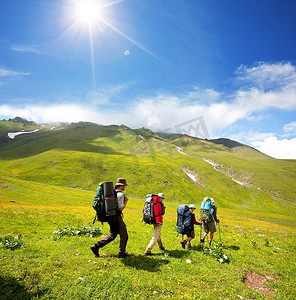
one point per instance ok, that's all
(122, 201)
(215, 215)
(194, 220)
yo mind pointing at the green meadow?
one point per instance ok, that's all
(47, 182)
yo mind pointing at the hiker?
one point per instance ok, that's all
(158, 212)
(117, 225)
(191, 234)
(209, 225)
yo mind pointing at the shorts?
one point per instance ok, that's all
(209, 227)
(191, 234)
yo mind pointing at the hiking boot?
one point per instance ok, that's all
(210, 242)
(202, 240)
(122, 255)
(148, 253)
(95, 250)
(183, 243)
(161, 248)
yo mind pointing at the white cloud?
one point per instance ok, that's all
(266, 76)
(285, 149)
(267, 86)
(11, 73)
(290, 129)
(54, 113)
(25, 48)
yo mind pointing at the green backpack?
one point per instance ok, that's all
(105, 202)
(206, 210)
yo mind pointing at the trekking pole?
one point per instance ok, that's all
(219, 233)
(200, 236)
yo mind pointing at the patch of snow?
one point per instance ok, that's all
(12, 135)
(141, 137)
(191, 176)
(180, 150)
(52, 128)
(215, 165)
(238, 182)
(211, 163)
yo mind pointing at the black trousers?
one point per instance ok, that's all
(117, 226)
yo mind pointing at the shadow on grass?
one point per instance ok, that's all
(141, 262)
(232, 247)
(178, 253)
(11, 289)
(199, 248)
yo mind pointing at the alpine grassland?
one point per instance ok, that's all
(48, 180)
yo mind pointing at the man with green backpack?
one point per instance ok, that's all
(109, 207)
(208, 216)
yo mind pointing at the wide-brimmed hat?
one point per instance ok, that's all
(121, 181)
(192, 206)
(161, 195)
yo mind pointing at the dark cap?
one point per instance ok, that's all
(121, 181)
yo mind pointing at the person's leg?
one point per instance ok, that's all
(123, 237)
(212, 229)
(159, 242)
(156, 235)
(206, 230)
(114, 229)
(190, 238)
(211, 238)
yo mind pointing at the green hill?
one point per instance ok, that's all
(83, 154)
(47, 182)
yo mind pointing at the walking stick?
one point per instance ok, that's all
(219, 233)
(200, 236)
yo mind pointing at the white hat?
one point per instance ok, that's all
(161, 195)
(212, 200)
(192, 206)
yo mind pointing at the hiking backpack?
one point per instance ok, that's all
(104, 202)
(148, 211)
(183, 219)
(206, 210)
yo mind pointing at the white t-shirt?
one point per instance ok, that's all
(120, 199)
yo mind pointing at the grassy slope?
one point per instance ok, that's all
(51, 178)
(66, 268)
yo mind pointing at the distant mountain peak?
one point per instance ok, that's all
(226, 142)
(22, 121)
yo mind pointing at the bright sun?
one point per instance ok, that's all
(88, 11)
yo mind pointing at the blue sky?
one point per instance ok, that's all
(208, 68)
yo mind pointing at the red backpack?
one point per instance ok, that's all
(153, 209)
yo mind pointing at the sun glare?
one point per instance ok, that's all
(93, 12)
(88, 11)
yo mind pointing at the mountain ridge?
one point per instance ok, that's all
(80, 155)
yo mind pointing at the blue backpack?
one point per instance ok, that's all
(183, 219)
(206, 210)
